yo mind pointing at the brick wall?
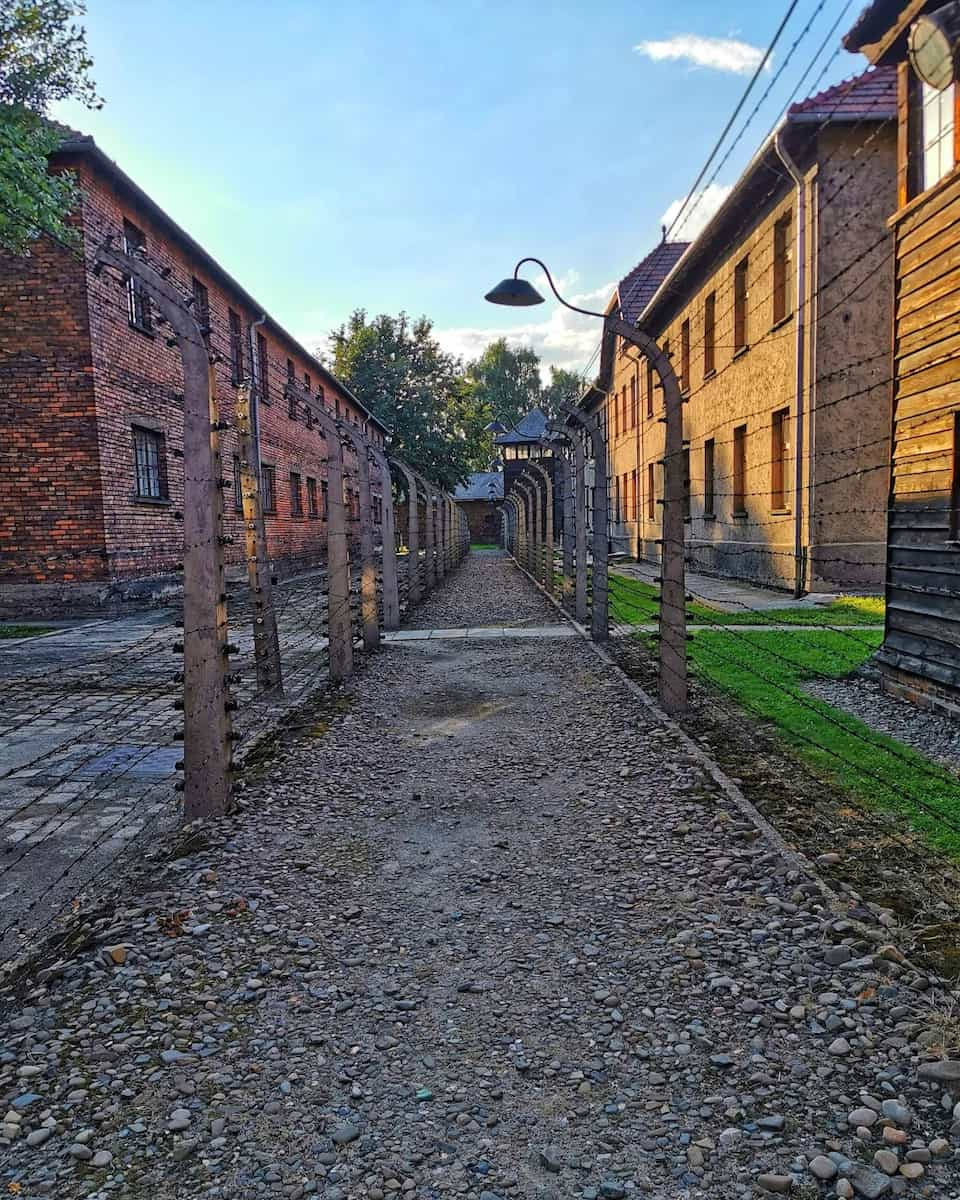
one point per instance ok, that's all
(50, 519)
(78, 378)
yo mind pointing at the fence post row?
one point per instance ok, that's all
(207, 732)
(569, 523)
(266, 640)
(391, 590)
(547, 524)
(673, 614)
(339, 623)
(526, 488)
(430, 571)
(413, 532)
(599, 630)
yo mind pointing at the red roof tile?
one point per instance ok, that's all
(870, 96)
(636, 290)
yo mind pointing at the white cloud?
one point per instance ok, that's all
(697, 214)
(720, 54)
(562, 339)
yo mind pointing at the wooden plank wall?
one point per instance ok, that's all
(923, 568)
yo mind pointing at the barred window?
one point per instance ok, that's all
(138, 302)
(263, 369)
(268, 484)
(150, 467)
(296, 495)
(312, 509)
(201, 306)
(236, 347)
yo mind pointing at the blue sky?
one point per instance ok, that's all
(405, 155)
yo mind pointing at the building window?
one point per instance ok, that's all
(336, 407)
(291, 373)
(740, 306)
(634, 480)
(263, 369)
(710, 334)
(709, 478)
(686, 484)
(666, 354)
(740, 471)
(685, 357)
(312, 509)
(955, 482)
(308, 416)
(324, 498)
(201, 306)
(781, 269)
(237, 484)
(268, 488)
(634, 415)
(936, 134)
(296, 495)
(138, 302)
(616, 502)
(612, 407)
(306, 381)
(320, 395)
(236, 348)
(649, 388)
(651, 497)
(149, 464)
(779, 449)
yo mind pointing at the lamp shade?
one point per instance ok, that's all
(516, 293)
(932, 46)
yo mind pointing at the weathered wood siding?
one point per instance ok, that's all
(923, 564)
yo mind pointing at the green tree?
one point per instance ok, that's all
(506, 381)
(43, 58)
(397, 368)
(564, 386)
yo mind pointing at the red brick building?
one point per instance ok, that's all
(91, 410)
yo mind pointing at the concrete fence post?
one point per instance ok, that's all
(599, 614)
(369, 615)
(391, 587)
(414, 591)
(339, 622)
(207, 729)
(266, 640)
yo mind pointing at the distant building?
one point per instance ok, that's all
(528, 439)
(786, 403)
(920, 656)
(91, 410)
(481, 499)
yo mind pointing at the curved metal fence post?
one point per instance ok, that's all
(413, 533)
(673, 613)
(391, 587)
(339, 621)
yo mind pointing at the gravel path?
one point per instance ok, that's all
(501, 596)
(483, 930)
(926, 731)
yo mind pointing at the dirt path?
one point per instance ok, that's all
(484, 929)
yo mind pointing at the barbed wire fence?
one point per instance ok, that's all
(773, 658)
(118, 729)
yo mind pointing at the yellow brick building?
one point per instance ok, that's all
(787, 410)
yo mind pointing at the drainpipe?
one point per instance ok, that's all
(799, 550)
(255, 392)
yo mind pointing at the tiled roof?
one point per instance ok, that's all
(636, 290)
(872, 95)
(484, 485)
(530, 428)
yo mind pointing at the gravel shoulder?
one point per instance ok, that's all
(483, 928)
